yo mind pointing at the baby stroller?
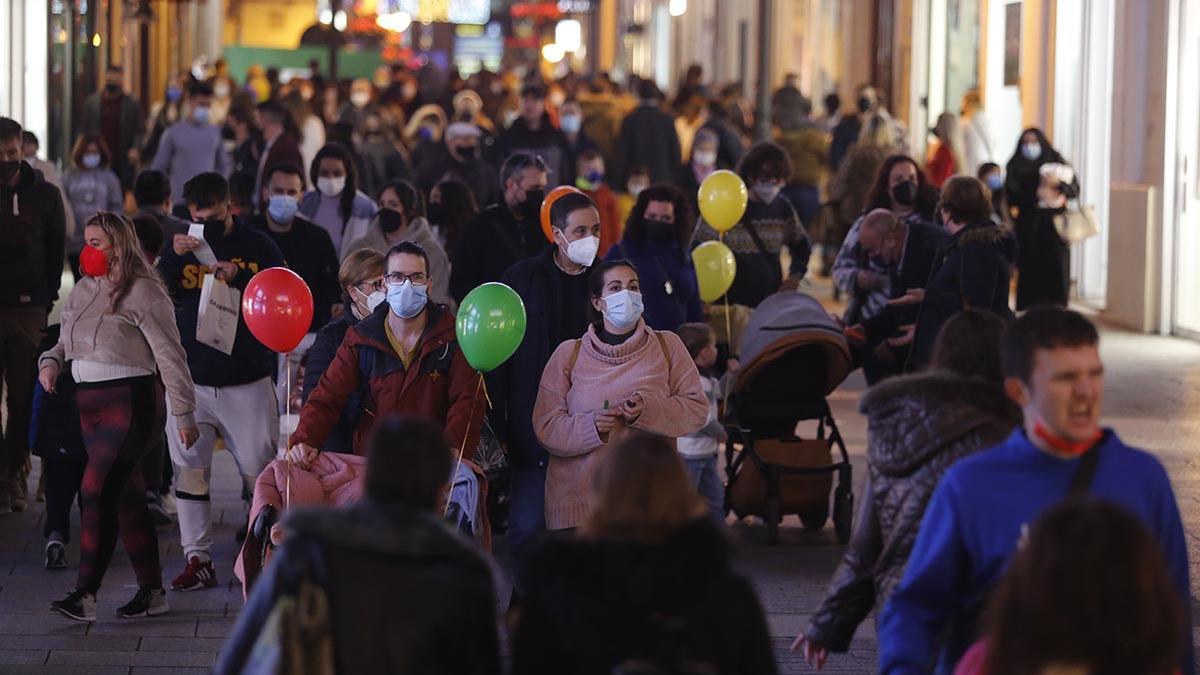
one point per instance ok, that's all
(793, 355)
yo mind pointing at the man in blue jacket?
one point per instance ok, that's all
(984, 505)
(234, 394)
(554, 288)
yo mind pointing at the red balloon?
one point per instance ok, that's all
(278, 308)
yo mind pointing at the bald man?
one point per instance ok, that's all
(909, 248)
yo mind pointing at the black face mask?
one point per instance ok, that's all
(9, 169)
(864, 104)
(658, 230)
(214, 230)
(112, 88)
(390, 220)
(468, 154)
(905, 194)
(532, 205)
(435, 214)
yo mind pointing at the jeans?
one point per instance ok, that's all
(526, 515)
(707, 480)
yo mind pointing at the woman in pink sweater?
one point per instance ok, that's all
(620, 375)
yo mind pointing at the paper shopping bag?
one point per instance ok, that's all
(216, 324)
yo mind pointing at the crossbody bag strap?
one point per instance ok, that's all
(1085, 473)
(571, 361)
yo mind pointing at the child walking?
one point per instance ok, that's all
(699, 450)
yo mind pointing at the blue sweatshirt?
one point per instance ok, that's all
(971, 529)
(253, 252)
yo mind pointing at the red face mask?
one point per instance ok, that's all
(93, 262)
(1061, 445)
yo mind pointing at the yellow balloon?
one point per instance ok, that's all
(722, 199)
(715, 269)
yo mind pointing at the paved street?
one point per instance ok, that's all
(1153, 397)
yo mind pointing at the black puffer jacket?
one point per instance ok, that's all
(918, 426)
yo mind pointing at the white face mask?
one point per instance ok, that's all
(360, 99)
(636, 188)
(583, 251)
(766, 191)
(375, 299)
(1031, 150)
(705, 158)
(407, 300)
(623, 308)
(331, 187)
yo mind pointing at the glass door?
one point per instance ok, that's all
(1186, 283)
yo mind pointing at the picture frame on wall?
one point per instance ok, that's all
(1012, 44)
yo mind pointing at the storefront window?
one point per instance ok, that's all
(74, 53)
(962, 50)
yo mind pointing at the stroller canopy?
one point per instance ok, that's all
(784, 322)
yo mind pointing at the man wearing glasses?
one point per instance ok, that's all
(403, 359)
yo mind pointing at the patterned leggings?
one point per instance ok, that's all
(120, 419)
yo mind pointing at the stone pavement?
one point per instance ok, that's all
(1153, 400)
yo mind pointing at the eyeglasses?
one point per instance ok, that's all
(376, 285)
(397, 278)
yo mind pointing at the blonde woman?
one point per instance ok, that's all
(118, 328)
(946, 155)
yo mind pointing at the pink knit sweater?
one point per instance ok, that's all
(563, 416)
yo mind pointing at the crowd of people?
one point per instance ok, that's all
(393, 199)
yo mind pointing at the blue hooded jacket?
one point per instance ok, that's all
(971, 529)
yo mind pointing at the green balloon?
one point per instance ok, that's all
(490, 325)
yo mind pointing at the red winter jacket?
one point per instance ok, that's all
(438, 386)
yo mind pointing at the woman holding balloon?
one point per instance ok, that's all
(621, 375)
(757, 226)
(656, 240)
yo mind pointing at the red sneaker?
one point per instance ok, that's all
(197, 575)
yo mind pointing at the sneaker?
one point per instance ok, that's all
(158, 514)
(195, 576)
(147, 602)
(78, 605)
(56, 556)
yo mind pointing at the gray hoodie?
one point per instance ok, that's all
(188, 149)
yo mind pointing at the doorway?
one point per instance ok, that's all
(1185, 292)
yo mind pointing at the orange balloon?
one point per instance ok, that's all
(548, 202)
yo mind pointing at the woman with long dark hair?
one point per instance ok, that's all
(1037, 194)
(451, 205)
(336, 203)
(656, 240)
(964, 410)
(620, 375)
(118, 328)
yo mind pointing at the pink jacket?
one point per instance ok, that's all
(334, 479)
(655, 365)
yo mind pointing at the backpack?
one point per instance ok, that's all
(296, 638)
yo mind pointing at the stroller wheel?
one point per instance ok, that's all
(843, 514)
(815, 520)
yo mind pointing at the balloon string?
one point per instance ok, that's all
(728, 334)
(463, 447)
(287, 414)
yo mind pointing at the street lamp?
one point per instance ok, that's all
(552, 52)
(568, 35)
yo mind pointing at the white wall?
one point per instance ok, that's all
(23, 74)
(1002, 104)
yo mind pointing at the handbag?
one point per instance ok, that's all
(217, 320)
(1076, 224)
